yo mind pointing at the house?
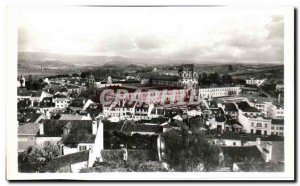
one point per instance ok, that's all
(157, 111)
(38, 96)
(70, 163)
(218, 120)
(24, 103)
(233, 154)
(277, 127)
(275, 111)
(73, 136)
(194, 110)
(260, 102)
(230, 109)
(73, 89)
(61, 101)
(143, 111)
(50, 130)
(24, 96)
(280, 88)
(26, 117)
(255, 124)
(252, 81)
(27, 135)
(79, 135)
(245, 109)
(233, 125)
(272, 153)
(78, 104)
(64, 91)
(121, 108)
(46, 105)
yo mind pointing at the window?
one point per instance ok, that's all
(252, 124)
(91, 148)
(234, 143)
(272, 127)
(82, 147)
(259, 125)
(266, 125)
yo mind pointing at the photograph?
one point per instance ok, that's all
(150, 93)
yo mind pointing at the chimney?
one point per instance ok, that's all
(48, 115)
(94, 128)
(270, 148)
(258, 141)
(41, 125)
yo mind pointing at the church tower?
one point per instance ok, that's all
(188, 76)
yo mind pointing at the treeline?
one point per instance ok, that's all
(214, 78)
(35, 84)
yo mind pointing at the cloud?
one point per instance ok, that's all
(154, 33)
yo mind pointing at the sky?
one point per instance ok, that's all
(174, 33)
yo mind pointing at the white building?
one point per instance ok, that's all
(61, 102)
(120, 109)
(277, 127)
(275, 111)
(255, 124)
(253, 81)
(219, 91)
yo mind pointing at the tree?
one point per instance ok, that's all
(84, 74)
(185, 151)
(213, 78)
(203, 80)
(226, 79)
(47, 150)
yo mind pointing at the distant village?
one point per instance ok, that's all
(156, 121)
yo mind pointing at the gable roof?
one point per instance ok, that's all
(79, 132)
(28, 129)
(71, 117)
(230, 107)
(24, 93)
(78, 102)
(53, 128)
(28, 117)
(243, 153)
(66, 160)
(46, 102)
(212, 104)
(37, 93)
(122, 126)
(245, 107)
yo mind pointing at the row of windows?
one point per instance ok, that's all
(218, 89)
(277, 133)
(84, 147)
(277, 128)
(259, 124)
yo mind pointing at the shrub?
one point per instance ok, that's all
(112, 154)
(151, 166)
